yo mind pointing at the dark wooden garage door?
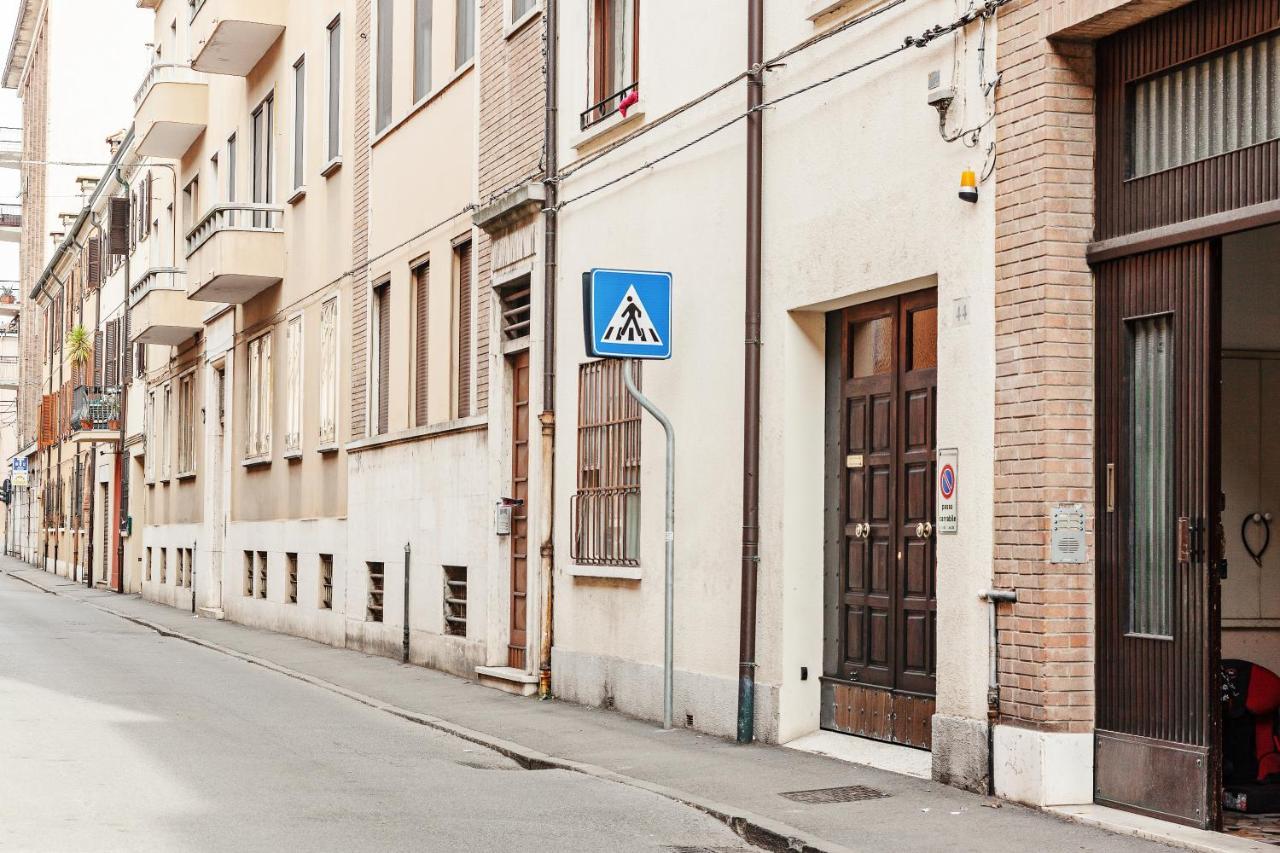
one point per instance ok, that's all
(1158, 533)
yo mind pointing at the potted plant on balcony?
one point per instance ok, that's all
(6, 296)
(79, 351)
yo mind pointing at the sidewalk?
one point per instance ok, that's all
(740, 785)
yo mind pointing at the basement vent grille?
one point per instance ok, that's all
(513, 297)
(374, 613)
(846, 794)
(326, 581)
(291, 578)
(455, 600)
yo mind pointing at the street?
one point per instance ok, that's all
(115, 738)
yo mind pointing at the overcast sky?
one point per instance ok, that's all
(10, 116)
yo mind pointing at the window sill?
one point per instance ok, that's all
(825, 12)
(331, 168)
(186, 475)
(519, 24)
(256, 462)
(293, 455)
(626, 573)
(422, 103)
(327, 449)
(298, 195)
(471, 424)
(606, 130)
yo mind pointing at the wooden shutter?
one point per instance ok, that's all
(118, 226)
(421, 318)
(95, 261)
(97, 358)
(46, 422)
(464, 329)
(111, 376)
(126, 349)
(382, 299)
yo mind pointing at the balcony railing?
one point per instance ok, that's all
(163, 72)
(10, 137)
(196, 6)
(157, 278)
(601, 110)
(235, 217)
(10, 216)
(95, 409)
(8, 371)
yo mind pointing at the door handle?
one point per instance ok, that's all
(924, 530)
(862, 530)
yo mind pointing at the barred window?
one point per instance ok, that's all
(606, 507)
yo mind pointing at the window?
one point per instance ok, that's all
(231, 168)
(259, 414)
(455, 601)
(326, 581)
(329, 372)
(374, 606)
(291, 578)
(248, 574)
(606, 508)
(614, 57)
(465, 30)
(334, 95)
(164, 565)
(261, 565)
(293, 399)
(186, 575)
(166, 437)
(421, 339)
(187, 424)
(1212, 106)
(422, 49)
(381, 357)
(385, 70)
(213, 176)
(263, 156)
(148, 563)
(149, 425)
(191, 203)
(1151, 503)
(520, 8)
(299, 123)
(462, 279)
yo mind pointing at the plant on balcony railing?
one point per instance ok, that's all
(79, 346)
(8, 296)
(95, 409)
(235, 217)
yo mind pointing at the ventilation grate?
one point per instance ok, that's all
(701, 849)
(846, 794)
(514, 299)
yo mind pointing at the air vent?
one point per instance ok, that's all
(291, 578)
(326, 581)
(514, 302)
(455, 600)
(375, 592)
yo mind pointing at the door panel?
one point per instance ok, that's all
(882, 682)
(517, 650)
(1158, 511)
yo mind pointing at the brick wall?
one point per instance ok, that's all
(1044, 366)
(512, 113)
(360, 219)
(35, 123)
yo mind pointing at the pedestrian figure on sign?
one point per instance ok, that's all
(631, 320)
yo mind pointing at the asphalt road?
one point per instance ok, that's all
(115, 738)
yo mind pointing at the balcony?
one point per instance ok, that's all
(9, 299)
(10, 147)
(232, 36)
(170, 110)
(235, 253)
(10, 223)
(161, 312)
(95, 415)
(8, 373)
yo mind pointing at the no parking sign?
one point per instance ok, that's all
(948, 490)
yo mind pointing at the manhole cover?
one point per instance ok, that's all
(847, 794)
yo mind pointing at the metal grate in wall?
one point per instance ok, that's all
(455, 600)
(374, 606)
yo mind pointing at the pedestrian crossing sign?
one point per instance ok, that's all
(627, 313)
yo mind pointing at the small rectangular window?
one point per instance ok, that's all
(1151, 495)
(386, 28)
(164, 565)
(187, 575)
(248, 574)
(455, 600)
(299, 123)
(148, 563)
(334, 125)
(465, 30)
(326, 581)
(261, 564)
(376, 576)
(422, 49)
(291, 578)
(606, 507)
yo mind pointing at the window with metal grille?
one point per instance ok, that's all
(374, 605)
(455, 600)
(326, 581)
(248, 574)
(291, 578)
(514, 302)
(261, 564)
(606, 508)
(259, 409)
(164, 565)
(329, 371)
(1212, 106)
(614, 57)
(187, 568)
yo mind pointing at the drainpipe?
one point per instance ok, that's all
(993, 597)
(122, 461)
(93, 494)
(751, 395)
(62, 379)
(551, 20)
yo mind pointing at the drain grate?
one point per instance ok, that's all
(701, 849)
(846, 794)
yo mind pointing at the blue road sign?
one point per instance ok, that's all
(627, 313)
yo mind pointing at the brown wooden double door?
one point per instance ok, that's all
(1159, 536)
(517, 648)
(880, 670)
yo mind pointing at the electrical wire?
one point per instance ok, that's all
(924, 39)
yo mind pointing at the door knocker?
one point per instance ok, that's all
(1263, 519)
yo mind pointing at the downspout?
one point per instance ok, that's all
(751, 392)
(993, 597)
(57, 541)
(121, 457)
(547, 420)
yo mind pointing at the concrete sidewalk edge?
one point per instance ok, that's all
(755, 829)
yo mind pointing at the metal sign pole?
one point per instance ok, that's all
(667, 652)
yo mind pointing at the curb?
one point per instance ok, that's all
(755, 829)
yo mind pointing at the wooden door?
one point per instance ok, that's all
(517, 649)
(1158, 534)
(880, 664)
